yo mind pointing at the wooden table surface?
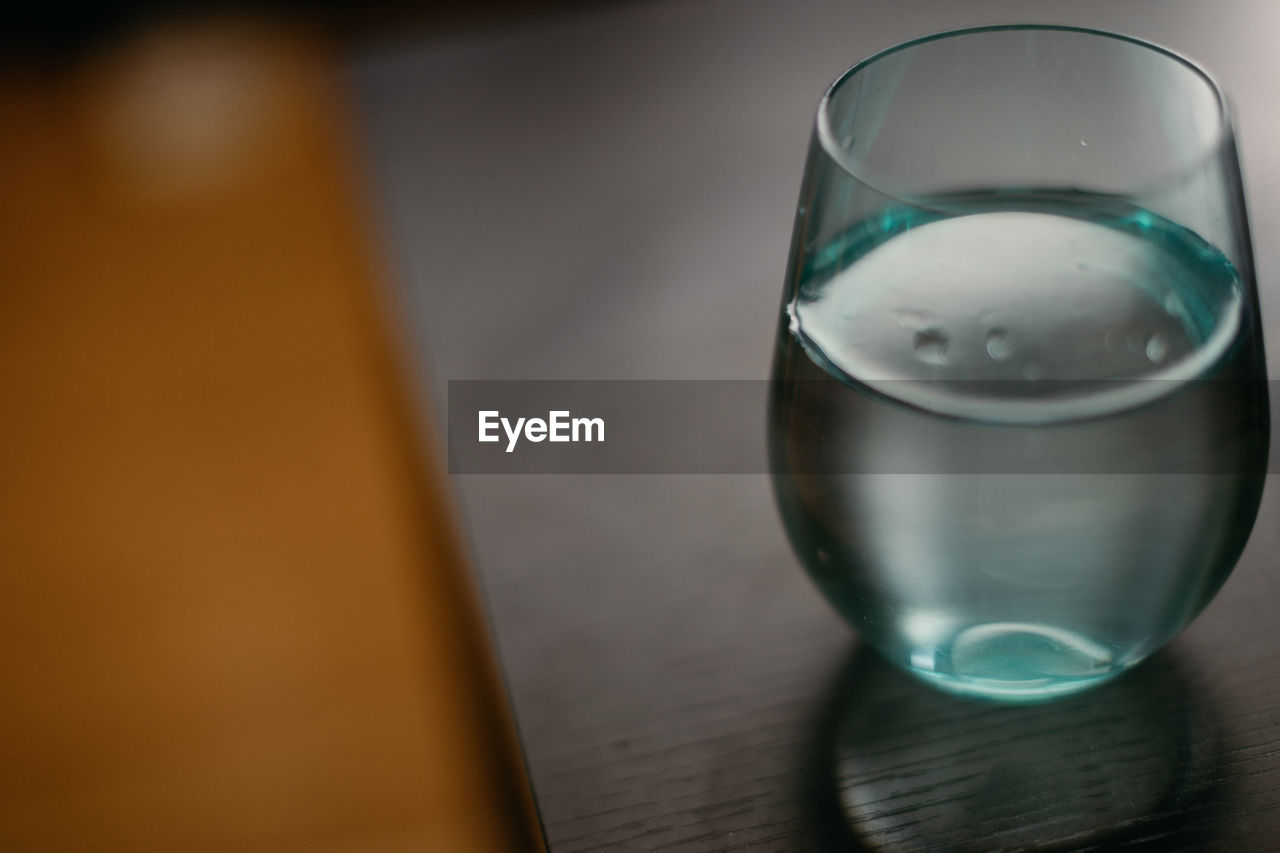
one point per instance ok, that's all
(234, 609)
(609, 194)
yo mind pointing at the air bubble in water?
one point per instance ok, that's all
(931, 346)
(1174, 307)
(998, 345)
(1157, 348)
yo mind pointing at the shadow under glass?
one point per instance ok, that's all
(1136, 763)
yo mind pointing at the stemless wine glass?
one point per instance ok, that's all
(1019, 419)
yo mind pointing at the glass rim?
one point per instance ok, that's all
(1223, 133)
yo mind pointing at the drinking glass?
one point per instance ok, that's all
(1018, 421)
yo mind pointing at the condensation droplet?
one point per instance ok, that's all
(1157, 348)
(999, 346)
(931, 346)
(1109, 338)
(1134, 342)
(1032, 370)
(1083, 143)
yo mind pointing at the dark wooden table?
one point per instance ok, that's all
(609, 194)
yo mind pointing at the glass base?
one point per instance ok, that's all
(1016, 662)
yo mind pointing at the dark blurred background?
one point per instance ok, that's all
(60, 29)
